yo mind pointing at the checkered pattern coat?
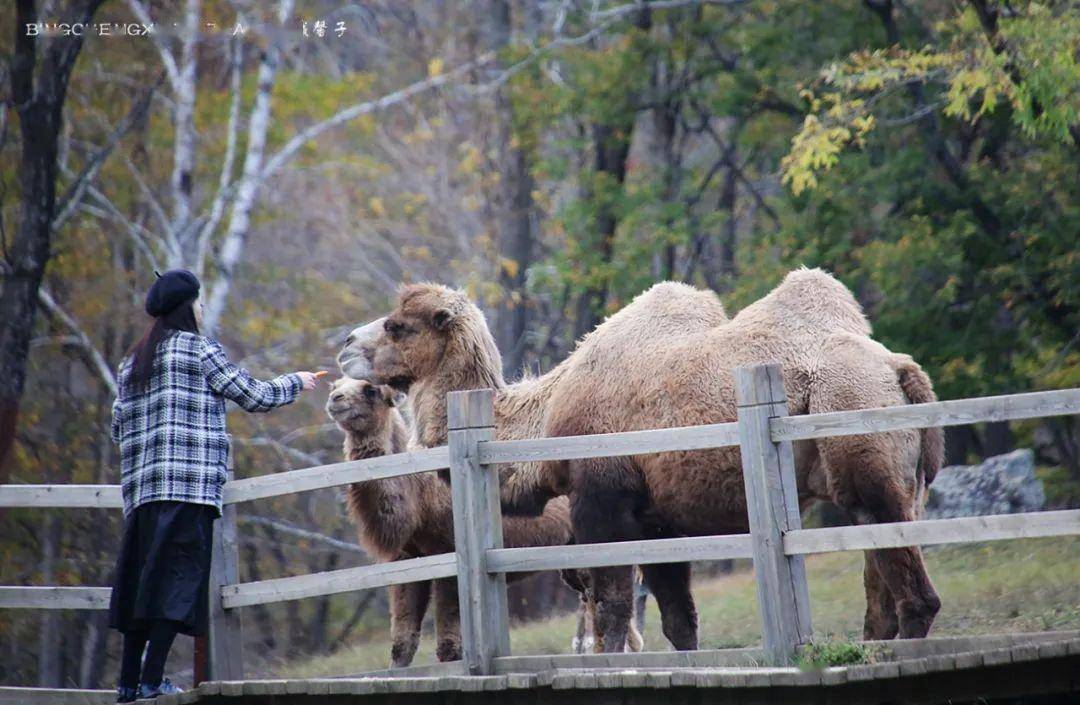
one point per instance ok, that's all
(173, 444)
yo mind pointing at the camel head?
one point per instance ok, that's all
(359, 406)
(433, 330)
(357, 356)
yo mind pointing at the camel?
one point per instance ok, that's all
(811, 324)
(814, 328)
(437, 341)
(410, 516)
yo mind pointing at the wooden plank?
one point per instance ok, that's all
(336, 474)
(606, 445)
(485, 619)
(51, 696)
(928, 532)
(590, 555)
(773, 510)
(708, 658)
(337, 581)
(943, 413)
(225, 639)
(99, 496)
(54, 598)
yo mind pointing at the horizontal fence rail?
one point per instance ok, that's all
(336, 474)
(61, 496)
(55, 598)
(929, 532)
(336, 581)
(604, 445)
(959, 412)
(595, 555)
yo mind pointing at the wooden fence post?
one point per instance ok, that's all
(772, 503)
(225, 643)
(485, 631)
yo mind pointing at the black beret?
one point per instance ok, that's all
(171, 289)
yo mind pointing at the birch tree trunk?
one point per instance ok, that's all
(240, 216)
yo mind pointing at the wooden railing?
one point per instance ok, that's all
(776, 542)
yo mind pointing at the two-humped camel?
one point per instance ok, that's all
(812, 326)
(815, 329)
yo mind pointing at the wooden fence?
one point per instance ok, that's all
(776, 542)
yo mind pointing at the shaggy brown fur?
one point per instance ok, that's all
(411, 516)
(812, 326)
(437, 341)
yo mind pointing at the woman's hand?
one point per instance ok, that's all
(310, 379)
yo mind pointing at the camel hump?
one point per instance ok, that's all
(807, 301)
(918, 389)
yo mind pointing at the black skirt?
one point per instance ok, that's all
(164, 567)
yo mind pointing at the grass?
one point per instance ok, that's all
(820, 654)
(994, 587)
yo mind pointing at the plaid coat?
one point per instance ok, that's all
(173, 444)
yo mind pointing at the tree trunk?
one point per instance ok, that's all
(611, 143)
(39, 100)
(49, 661)
(998, 439)
(514, 234)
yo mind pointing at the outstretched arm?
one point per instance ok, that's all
(233, 382)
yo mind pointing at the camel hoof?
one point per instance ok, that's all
(448, 651)
(917, 618)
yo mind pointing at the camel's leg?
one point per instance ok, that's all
(917, 603)
(881, 621)
(876, 500)
(408, 604)
(447, 620)
(604, 506)
(613, 588)
(670, 585)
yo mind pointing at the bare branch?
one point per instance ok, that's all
(171, 243)
(67, 204)
(136, 233)
(94, 359)
(167, 59)
(306, 458)
(351, 113)
(293, 530)
(620, 10)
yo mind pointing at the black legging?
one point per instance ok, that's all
(156, 641)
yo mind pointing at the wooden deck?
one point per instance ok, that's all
(1042, 668)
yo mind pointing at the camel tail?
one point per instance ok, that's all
(919, 389)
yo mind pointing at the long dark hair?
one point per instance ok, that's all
(142, 365)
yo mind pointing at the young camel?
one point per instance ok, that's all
(410, 516)
(437, 341)
(815, 329)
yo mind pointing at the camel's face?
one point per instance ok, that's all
(359, 405)
(358, 355)
(414, 337)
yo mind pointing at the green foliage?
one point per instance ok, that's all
(820, 654)
(1029, 68)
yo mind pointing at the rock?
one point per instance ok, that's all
(1004, 484)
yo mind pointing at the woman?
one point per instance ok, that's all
(169, 420)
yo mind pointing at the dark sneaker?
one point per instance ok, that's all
(126, 695)
(164, 688)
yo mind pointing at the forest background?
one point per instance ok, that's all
(553, 158)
